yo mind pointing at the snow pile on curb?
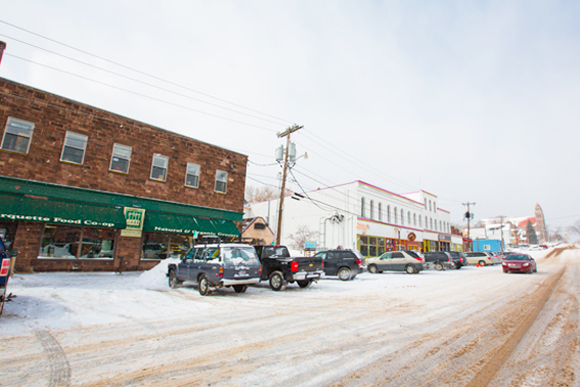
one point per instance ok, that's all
(155, 278)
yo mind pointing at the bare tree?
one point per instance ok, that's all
(575, 228)
(302, 235)
(260, 194)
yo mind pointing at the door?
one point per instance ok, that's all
(398, 261)
(184, 266)
(385, 262)
(332, 260)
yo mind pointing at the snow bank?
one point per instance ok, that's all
(155, 278)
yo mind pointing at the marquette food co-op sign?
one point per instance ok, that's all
(57, 219)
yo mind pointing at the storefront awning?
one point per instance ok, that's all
(182, 224)
(38, 209)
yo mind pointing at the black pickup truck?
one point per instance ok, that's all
(279, 268)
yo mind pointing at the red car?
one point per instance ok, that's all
(519, 263)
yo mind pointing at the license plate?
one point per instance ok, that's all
(313, 276)
(241, 272)
(513, 265)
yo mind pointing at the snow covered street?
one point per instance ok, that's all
(474, 326)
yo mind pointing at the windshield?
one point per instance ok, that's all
(239, 253)
(517, 257)
(279, 251)
(412, 254)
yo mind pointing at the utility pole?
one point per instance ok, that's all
(285, 133)
(468, 215)
(501, 231)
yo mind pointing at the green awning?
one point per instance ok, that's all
(225, 228)
(182, 224)
(38, 209)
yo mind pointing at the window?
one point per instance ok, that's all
(440, 226)
(402, 216)
(420, 221)
(17, 135)
(120, 158)
(163, 245)
(192, 175)
(381, 212)
(409, 218)
(221, 181)
(396, 216)
(371, 246)
(434, 207)
(74, 148)
(415, 220)
(431, 221)
(362, 207)
(389, 213)
(430, 205)
(77, 242)
(372, 209)
(159, 167)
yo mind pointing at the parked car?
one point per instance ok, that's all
(440, 260)
(345, 264)
(482, 258)
(459, 259)
(407, 261)
(216, 266)
(519, 263)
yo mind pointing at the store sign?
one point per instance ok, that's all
(56, 219)
(135, 218)
(445, 238)
(412, 236)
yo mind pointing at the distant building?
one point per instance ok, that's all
(257, 231)
(361, 216)
(540, 225)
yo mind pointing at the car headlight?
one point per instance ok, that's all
(526, 264)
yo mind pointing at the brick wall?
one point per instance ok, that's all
(53, 116)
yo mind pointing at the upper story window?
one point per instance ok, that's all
(192, 175)
(17, 135)
(430, 209)
(120, 158)
(420, 221)
(389, 213)
(380, 211)
(74, 148)
(221, 181)
(159, 167)
(372, 209)
(396, 216)
(362, 207)
(415, 220)
(402, 216)
(409, 218)
(434, 207)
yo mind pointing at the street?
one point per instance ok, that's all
(469, 327)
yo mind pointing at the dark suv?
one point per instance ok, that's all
(459, 259)
(345, 264)
(217, 266)
(441, 260)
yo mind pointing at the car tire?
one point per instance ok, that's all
(173, 281)
(373, 269)
(203, 285)
(277, 281)
(344, 273)
(240, 288)
(304, 284)
(410, 269)
(438, 266)
(481, 263)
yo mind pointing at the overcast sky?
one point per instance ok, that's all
(473, 101)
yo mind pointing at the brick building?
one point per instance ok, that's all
(85, 189)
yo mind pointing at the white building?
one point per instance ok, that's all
(361, 216)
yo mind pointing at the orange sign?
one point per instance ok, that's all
(412, 236)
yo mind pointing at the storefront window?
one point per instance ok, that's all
(161, 246)
(77, 242)
(371, 246)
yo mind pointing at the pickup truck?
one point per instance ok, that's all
(279, 268)
(215, 266)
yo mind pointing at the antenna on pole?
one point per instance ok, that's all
(469, 215)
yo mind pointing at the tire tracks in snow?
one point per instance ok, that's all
(59, 367)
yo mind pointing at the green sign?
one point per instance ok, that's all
(134, 218)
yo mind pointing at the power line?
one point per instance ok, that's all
(142, 72)
(139, 81)
(142, 95)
